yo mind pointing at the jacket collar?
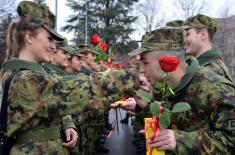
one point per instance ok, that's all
(14, 64)
(209, 55)
(191, 69)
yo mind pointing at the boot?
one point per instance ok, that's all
(100, 148)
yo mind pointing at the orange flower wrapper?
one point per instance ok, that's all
(122, 101)
(149, 130)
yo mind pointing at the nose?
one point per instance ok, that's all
(68, 56)
(53, 46)
(142, 68)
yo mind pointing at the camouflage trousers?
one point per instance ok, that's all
(89, 132)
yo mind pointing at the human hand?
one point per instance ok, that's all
(144, 84)
(165, 140)
(119, 103)
(130, 105)
(71, 137)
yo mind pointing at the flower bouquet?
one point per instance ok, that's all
(103, 55)
(101, 47)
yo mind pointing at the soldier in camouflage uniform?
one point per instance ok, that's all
(89, 64)
(75, 63)
(138, 123)
(208, 128)
(60, 59)
(199, 32)
(95, 127)
(67, 123)
(68, 61)
(38, 100)
(90, 122)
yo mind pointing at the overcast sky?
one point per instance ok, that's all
(64, 12)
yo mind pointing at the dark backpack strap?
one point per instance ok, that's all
(3, 112)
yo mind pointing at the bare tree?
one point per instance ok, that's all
(41, 2)
(226, 10)
(7, 8)
(188, 8)
(150, 15)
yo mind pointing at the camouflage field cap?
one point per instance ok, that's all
(175, 23)
(77, 52)
(65, 46)
(201, 21)
(161, 39)
(141, 49)
(38, 14)
(86, 48)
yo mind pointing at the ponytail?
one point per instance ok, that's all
(10, 42)
(10, 45)
(15, 38)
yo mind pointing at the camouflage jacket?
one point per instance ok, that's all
(77, 118)
(50, 68)
(38, 100)
(209, 127)
(67, 121)
(85, 70)
(213, 60)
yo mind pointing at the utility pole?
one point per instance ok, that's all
(56, 13)
(86, 26)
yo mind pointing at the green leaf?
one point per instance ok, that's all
(180, 107)
(155, 108)
(169, 91)
(158, 86)
(101, 57)
(98, 58)
(143, 95)
(164, 120)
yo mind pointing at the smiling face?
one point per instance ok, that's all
(194, 41)
(76, 63)
(41, 45)
(61, 58)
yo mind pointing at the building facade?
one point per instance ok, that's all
(225, 40)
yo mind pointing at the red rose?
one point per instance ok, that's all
(168, 64)
(95, 39)
(103, 46)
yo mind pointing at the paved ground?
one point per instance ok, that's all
(120, 144)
